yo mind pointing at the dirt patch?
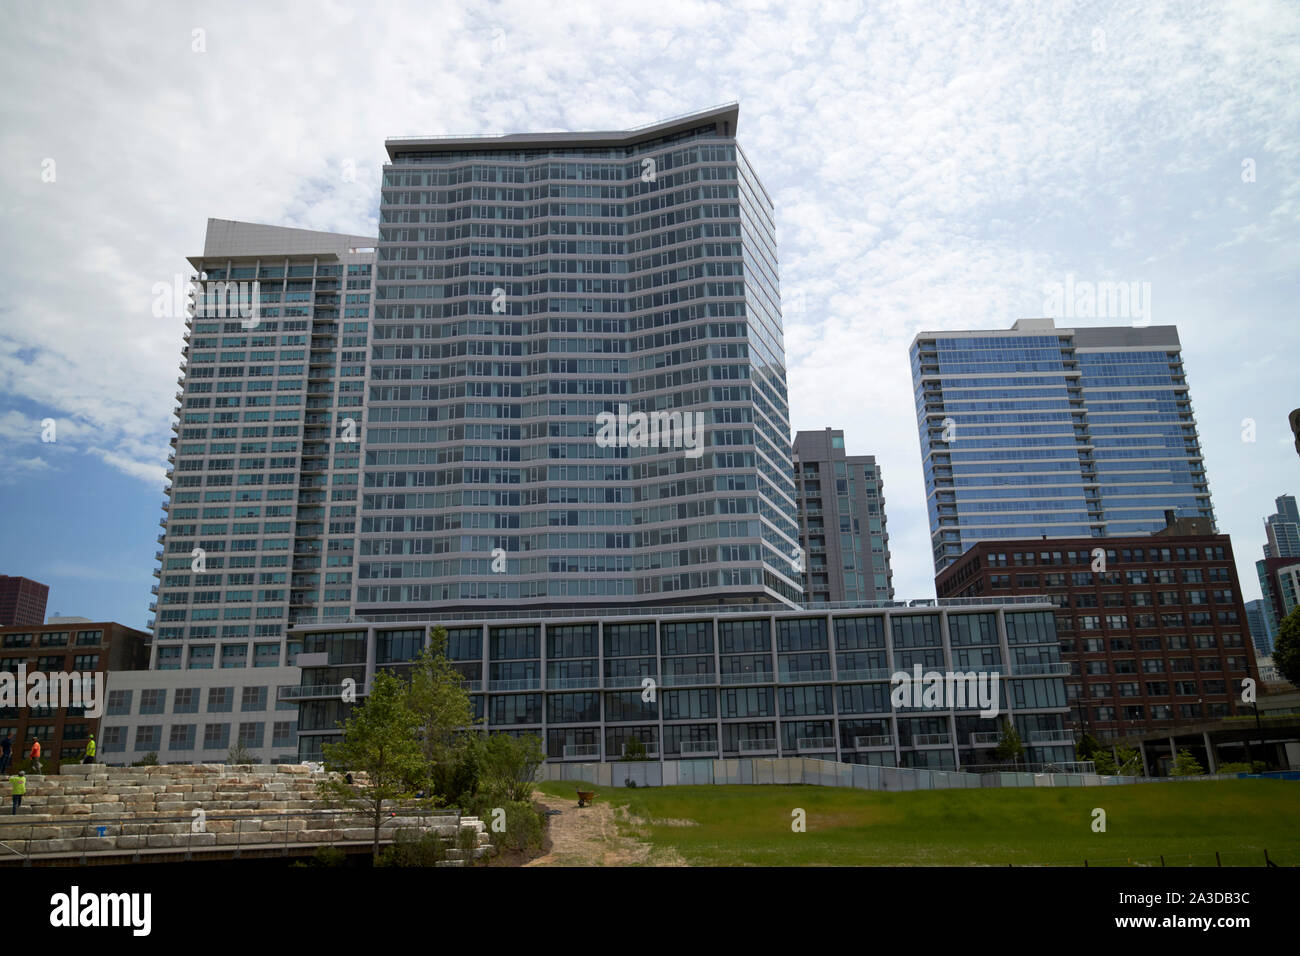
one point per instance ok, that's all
(599, 835)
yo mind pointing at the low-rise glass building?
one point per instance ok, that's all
(689, 682)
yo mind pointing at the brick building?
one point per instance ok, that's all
(1153, 626)
(63, 646)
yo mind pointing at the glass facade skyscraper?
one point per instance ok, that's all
(528, 286)
(1044, 432)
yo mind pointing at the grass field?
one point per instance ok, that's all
(751, 825)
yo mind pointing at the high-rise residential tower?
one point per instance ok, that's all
(842, 527)
(1283, 529)
(577, 387)
(1279, 570)
(265, 473)
(1042, 432)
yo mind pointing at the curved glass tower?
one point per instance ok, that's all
(577, 389)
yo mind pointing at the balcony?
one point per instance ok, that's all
(931, 740)
(750, 677)
(985, 739)
(1059, 737)
(157, 555)
(626, 681)
(1050, 669)
(699, 747)
(758, 745)
(804, 677)
(317, 691)
(527, 683)
(687, 680)
(814, 744)
(587, 751)
(572, 683)
(879, 742)
(875, 673)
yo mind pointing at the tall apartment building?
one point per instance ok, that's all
(261, 513)
(842, 529)
(1282, 528)
(1153, 627)
(1257, 617)
(533, 289)
(1059, 433)
(22, 601)
(1279, 569)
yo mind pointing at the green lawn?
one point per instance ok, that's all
(751, 825)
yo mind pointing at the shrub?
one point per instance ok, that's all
(524, 825)
(409, 849)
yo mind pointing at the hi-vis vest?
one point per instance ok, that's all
(19, 785)
(90, 748)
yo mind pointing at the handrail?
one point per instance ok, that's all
(698, 610)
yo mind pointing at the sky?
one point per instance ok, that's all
(933, 166)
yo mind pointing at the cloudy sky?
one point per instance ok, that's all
(934, 166)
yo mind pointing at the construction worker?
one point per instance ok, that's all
(35, 754)
(90, 750)
(18, 787)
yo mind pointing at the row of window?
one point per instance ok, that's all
(185, 700)
(149, 737)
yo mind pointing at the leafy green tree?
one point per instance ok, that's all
(1286, 648)
(1185, 765)
(380, 739)
(441, 704)
(1088, 746)
(509, 765)
(1010, 748)
(1128, 764)
(634, 749)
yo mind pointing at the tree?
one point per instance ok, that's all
(1185, 765)
(381, 739)
(1088, 746)
(1009, 748)
(1128, 764)
(510, 765)
(1286, 648)
(239, 754)
(634, 749)
(445, 718)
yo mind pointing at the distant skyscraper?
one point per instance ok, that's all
(1044, 432)
(530, 290)
(22, 600)
(1257, 617)
(1283, 529)
(842, 526)
(1279, 571)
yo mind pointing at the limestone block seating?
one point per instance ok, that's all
(64, 813)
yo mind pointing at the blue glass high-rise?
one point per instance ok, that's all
(1044, 432)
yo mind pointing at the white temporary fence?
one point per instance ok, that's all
(825, 773)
